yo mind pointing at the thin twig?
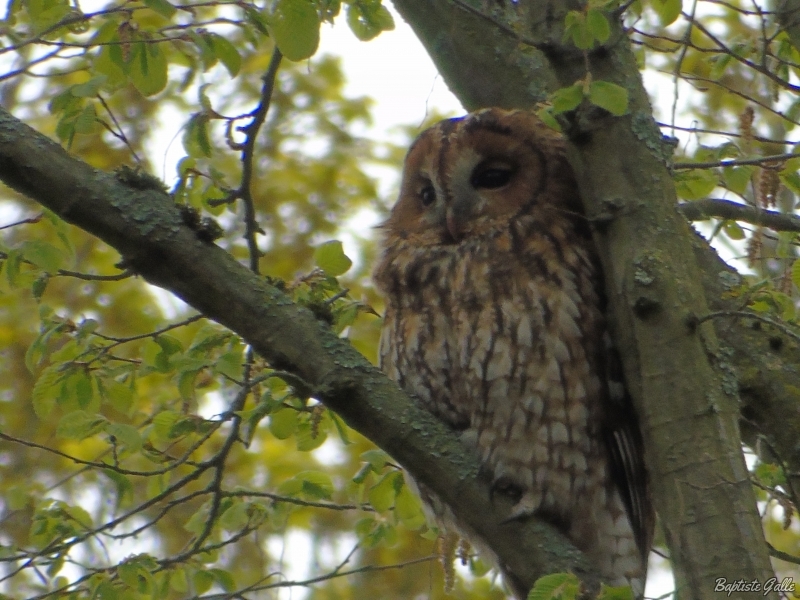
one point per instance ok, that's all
(251, 134)
(723, 48)
(780, 554)
(743, 314)
(736, 162)
(120, 133)
(151, 334)
(687, 38)
(29, 220)
(320, 578)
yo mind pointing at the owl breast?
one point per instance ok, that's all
(495, 339)
(494, 322)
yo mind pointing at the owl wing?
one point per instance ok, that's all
(626, 456)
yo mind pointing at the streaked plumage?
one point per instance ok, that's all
(495, 322)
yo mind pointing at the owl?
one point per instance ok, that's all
(495, 323)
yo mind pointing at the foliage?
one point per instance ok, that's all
(146, 451)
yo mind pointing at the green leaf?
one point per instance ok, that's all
(163, 423)
(88, 89)
(197, 522)
(796, 272)
(623, 592)
(367, 19)
(575, 28)
(179, 582)
(295, 28)
(227, 53)
(123, 486)
(563, 586)
(12, 266)
(207, 55)
(153, 356)
(65, 128)
(136, 570)
(195, 137)
(377, 459)
(118, 395)
(186, 386)
(162, 7)
(316, 485)
(598, 26)
(80, 424)
(381, 496)
(39, 286)
(667, 10)
(283, 423)
(733, 230)
(169, 344)
(203, 580)
(230, 364)
(736, 179)
(408, 509)
(236, 517)
(105, 64)
(208, 337)
(65, 101)
(330, 257)
(695, 183)
(224, 579)
(566, 99)
(86, 121)
(610, 96)
(770, 475)
(78, 514)
(78, 391)
(791, 181)
(126, 434)
(341, 429)
(46, 390)
(43, 254)
(345, 317)
(786, 239)
(306, 438)
(46, 13)
(257, 20)
(313, 485)
(148, 68)
(719, 64)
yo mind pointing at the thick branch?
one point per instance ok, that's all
(145, 226)
(701, 210)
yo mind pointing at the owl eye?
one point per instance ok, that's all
(427, 195)
(491, 178)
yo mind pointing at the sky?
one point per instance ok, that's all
(394, 69)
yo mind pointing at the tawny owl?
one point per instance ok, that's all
(495, 323)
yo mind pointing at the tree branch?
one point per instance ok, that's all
(701, 210)
(145, 226)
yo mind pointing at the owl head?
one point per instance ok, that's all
(464, 176)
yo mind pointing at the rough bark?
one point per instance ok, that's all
(683, 383)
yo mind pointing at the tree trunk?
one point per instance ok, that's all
(683, 384)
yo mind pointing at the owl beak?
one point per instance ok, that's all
(458, 216)
(454, 225)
